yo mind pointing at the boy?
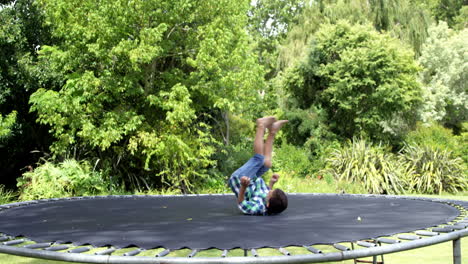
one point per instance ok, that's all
(253, 196)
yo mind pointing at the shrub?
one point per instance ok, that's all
(292, 160)
(6, 196)
(444, 78)
(432, 170)
(68, 178)
(372, 166)
(438, 137)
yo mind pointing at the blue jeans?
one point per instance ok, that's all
(253, 168)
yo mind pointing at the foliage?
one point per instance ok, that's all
(22, 32)
(445, 82)
(269, 22)
(360, 79)
(433, 171)
(447, 10)
(6, 196)
(292, 159)
(142, 81)
(461, 21)
(437, 137)
(403, 19)
(374, 167)
(68, 178)
(6, 124)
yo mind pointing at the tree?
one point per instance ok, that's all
(444, 77)
(22, 31)
(447, 10)
(360, 80)
(142, 81)
(403, 19)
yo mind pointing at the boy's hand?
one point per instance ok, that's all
(273, 180)
(245, 181)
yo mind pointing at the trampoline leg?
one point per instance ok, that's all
(457, 251)
(245, 252)
(374, 259)
(352, 247)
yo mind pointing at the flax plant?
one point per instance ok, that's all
(434, 170)
(371, 166)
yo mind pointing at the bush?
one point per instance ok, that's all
(433, 171)
(444, 78)
(68, 178)
(438, 137)
(372, 166)
(6, 196)
(293, 160)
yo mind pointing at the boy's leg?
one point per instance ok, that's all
(262, 125)
(253, 165)
(268, 147)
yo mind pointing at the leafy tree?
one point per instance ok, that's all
(143, 81)
(444, 77)
(447, 10)
(22, 32)
(269, 23)
(361, 80)
(404, 19)
(6, 123)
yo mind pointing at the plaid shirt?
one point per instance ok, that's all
(255, 195)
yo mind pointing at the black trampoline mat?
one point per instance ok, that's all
(213, 221)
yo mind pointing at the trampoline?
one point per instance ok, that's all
(70, 228)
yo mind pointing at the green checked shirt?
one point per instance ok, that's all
(255, 195)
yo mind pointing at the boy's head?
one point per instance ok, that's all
(277, 202)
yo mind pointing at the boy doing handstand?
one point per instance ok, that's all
(253, 196)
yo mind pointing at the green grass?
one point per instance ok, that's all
(437, 254)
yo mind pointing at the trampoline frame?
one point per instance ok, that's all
(56, 250)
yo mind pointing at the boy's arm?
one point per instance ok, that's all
(273, 180)
(245, 181)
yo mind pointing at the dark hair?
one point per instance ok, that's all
(278, 202)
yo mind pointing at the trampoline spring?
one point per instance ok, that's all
(284, 251)
(163, 253)
(341, 247)
(106, 251)
(4, 238)
(426, 233)
(38, 245)
(193, 253)
(388, 240)
(79, 250)
(254, 252)
(463, 222)
(365, 244)
(313, 250)
(409, 237)
(442, 230)
(57, 248)
(133, 252)
(455, 227)
(14, 242)
(224, 254)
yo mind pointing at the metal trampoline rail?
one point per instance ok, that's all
(311, 258)
(379, 246)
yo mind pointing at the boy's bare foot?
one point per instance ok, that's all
(277, 125)
(266, 122)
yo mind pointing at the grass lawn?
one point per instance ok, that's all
(437, 254)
